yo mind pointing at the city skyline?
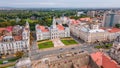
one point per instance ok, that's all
(60, 4)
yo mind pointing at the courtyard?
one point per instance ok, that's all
(43, 44)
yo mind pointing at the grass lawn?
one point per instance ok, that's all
(69, 42)
(9, 60)
(8, 66)
(107, 46)
(46, 44)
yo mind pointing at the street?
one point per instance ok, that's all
(79, 47)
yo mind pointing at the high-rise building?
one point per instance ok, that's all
(110, 19)
(91, 13)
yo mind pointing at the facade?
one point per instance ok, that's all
(91, 32)
(14, 38)
(115, 50)
(88, 33)
(113, 33)
(91, 13)
(55, 31)
(110, 19)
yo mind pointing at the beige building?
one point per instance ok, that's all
(88, 32)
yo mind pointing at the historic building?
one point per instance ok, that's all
(115, 50)
(55, 31)
(92, 32)
(14, 38)
(87, 32)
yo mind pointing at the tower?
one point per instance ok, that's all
(26, 31)
(27, 24)
(54, 22)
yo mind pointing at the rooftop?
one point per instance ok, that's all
(113, 30)
(42, 28)
(85, 19)
(60, 27)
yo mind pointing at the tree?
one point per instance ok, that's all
(117, 25)
(19, 54)
(31, 38)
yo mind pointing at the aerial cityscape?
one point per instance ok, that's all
(59, 34)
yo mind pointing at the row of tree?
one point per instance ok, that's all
(8, 18)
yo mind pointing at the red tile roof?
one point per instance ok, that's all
(60, 27)
(97, 57)
(42, 28)
(75, 21)
(113, 30)
(107, 62)
(1, 29)
(85, 19)
(9, 28)
(104, 60)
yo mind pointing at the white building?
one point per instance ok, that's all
(55, 31)
(14, 38)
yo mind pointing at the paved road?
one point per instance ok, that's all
(64, 49)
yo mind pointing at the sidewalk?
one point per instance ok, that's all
(57, 43)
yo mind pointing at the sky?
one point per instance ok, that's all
(60, 3)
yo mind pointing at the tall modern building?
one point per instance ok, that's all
(109, 20)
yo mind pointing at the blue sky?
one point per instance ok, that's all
(60, 3)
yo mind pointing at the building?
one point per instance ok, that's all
(87, 32)
(111, 19)
(14, 38)
(67, 60)
(115, 50)
(80, 13)
(86, 19)
(55, 31)
(91, 13)
(92, 32)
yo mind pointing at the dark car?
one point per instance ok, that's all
(72, 48)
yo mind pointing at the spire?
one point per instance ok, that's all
(27, 24)
(54, 22)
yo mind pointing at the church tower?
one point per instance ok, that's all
(54, 22)
(26, 31)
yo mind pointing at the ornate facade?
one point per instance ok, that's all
(14, 38)
(55, 31)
